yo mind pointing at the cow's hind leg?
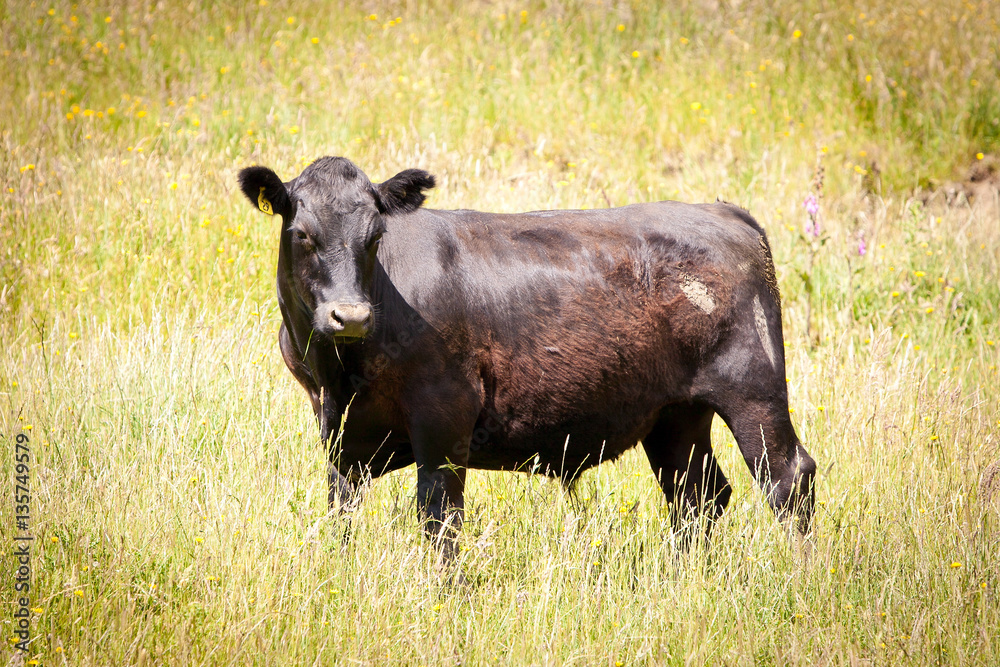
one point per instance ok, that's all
(745, 383)
(771, 449)
(679, 449)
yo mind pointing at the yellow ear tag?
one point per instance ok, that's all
(264, 204)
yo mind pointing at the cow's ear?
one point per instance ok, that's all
(265, 190)
(404, 192)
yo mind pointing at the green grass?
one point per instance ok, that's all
(179, 488)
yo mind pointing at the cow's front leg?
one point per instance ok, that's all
(441, 504)
(441, 452)
(344, 492)
(345, 487)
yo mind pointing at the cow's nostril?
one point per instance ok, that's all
(336, 322)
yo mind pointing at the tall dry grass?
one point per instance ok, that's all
(179, 500)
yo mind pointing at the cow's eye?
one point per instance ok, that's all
(303, 240)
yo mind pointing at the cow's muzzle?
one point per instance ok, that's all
(346, 320)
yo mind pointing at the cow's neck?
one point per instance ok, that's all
(343, 369)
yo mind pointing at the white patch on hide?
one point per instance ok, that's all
(734, 362)
(760, 320)
(698, 294)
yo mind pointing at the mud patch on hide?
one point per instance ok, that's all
(698, 294)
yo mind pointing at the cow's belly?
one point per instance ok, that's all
(560, 433)
(556, 452)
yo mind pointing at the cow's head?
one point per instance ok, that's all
(332, 220)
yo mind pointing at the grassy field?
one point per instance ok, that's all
(178, 487)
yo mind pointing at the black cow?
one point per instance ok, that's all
(547, 341)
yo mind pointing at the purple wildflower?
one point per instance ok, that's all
(862, 248)
(812, 206)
